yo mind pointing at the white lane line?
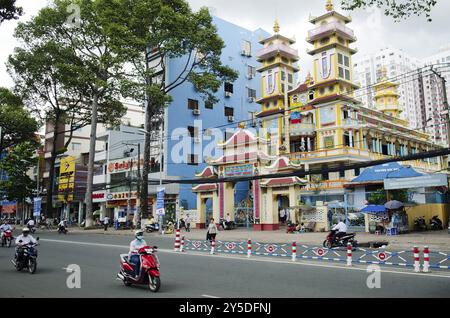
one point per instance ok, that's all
(256, 259)
(209, 296)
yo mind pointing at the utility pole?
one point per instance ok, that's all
(129, 189)
(160, 169)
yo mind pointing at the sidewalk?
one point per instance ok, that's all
(436, 240)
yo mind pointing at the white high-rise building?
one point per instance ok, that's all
(421, 91)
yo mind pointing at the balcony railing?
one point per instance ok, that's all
(275, 48)
(333, 26)
(362, 153)
(350, 123)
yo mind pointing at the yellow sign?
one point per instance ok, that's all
(66, 179)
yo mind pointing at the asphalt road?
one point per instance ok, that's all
(193, 274)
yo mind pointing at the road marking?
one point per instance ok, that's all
(255, 259)
(210, 296)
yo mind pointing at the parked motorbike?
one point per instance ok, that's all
(419, 224)
(224, 224)
(7, 238)
(62, 229)
(149, 228)
(331, 240)
(148, 271)
(435, 223)
(28, 259)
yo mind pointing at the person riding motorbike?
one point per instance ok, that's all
(62, 225)
(30, 224)
(5, 227)
(341, 229)
(135, 245)
(22, 240)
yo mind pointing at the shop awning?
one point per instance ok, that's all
(377, 174)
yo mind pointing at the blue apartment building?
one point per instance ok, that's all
(236, 103)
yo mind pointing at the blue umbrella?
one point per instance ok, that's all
(372, 208)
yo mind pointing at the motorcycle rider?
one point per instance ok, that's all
(62, 225)
(5, 227)
(341, 228)
(22, 240)
(30, 224)
(135, 245)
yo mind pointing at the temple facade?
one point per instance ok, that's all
(310, 125)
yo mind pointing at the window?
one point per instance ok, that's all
(282, 88)
(192, 159)
(209, 105)
(192, 104)
(251, 71)
(344, 66)
(283, 76)
(76, 146)
(357, 172)
(311, 95)
(251, 93)
(229, 111)
(246, 48)
(251, 116)
(290, 78)
(341, 173)
(228, 88)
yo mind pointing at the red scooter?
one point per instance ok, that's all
(148, 270)
(7, 238)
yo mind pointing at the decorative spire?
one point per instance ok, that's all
(329, 5)
(308, 79)
(276, 26)
(241, 125)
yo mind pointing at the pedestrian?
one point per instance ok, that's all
(188, 223)
(282, 215)
(106, 222)
(212, 231)
(330, 218)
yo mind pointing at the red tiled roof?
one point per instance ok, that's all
(205, 187)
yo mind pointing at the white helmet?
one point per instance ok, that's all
(25, 230)
(138, 233)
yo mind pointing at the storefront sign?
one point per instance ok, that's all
(8, 207)
(123, 165)
(237, 171)
(98, 196)
(120, 195)
(432, 180)
(66, 179)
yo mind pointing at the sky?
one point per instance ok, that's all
(374, 31)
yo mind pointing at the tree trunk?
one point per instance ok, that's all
(90, 176)
(146, 168)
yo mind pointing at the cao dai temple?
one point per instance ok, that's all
(310, 126)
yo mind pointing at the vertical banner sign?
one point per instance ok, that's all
(37, 206)
(221, 203)
(256, 199)
(160, 202)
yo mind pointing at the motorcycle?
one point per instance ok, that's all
(419, 224)
(227, 226)
(148, 270)
(435, 223)
(28, 259)
(7, 238)
(149, 228)
(62, 229)
(331, 240)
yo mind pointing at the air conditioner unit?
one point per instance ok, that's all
(197, 140)
(230, 118)
(228, 94)
(251, 99)
(196, 111)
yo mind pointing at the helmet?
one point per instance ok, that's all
(25, 230)
(138, 233)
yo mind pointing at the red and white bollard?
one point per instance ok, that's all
(213, 244)
(349, 254)
(416, 259)
(249, 247)
(177, 241)
(182, 244)
(426, 259)
(294, 250)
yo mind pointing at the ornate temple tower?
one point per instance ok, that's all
(386, 96)
(278, 68)
(333, 87)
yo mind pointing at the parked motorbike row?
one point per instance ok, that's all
(435, 224)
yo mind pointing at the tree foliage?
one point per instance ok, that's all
(18, 185)
(397, 9)
(17, 124)
(9, 10)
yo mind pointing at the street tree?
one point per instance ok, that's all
(18, 161)
(148, 33)
(396, 9)
(9, 10)
(16, 123)
(56, 79)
